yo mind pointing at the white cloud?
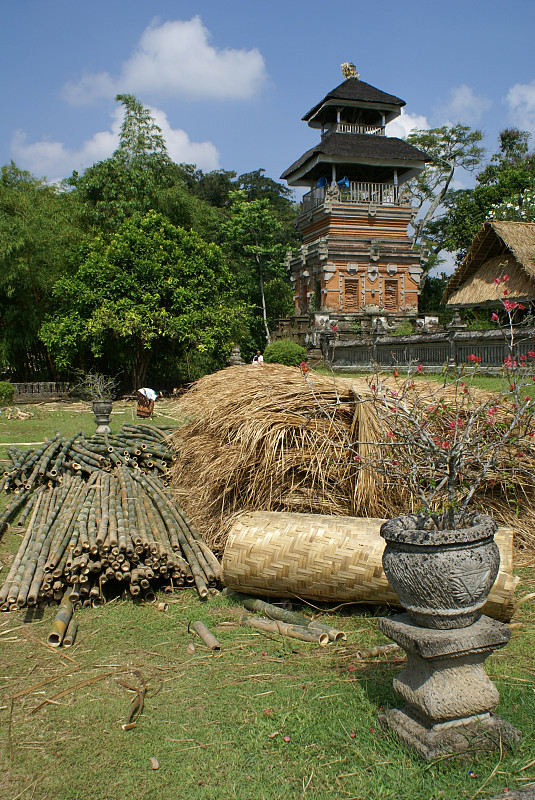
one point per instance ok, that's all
(464, 106)
(204, 154)
(406, 123)
(55, 160)
(521, 101)
(177, 59)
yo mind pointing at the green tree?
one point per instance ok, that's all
(38, 235)
(137, 178)
(449, 148)
(150, 287)
(510, 173)
(252, 237)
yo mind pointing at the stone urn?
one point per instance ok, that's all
(442, 577)
(102, 411)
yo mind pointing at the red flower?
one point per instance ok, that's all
(494, 317)
(496, 281)
(395, 373)
(473, 358)
(419, 368)
(505, 278)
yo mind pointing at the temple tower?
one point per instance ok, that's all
(356, 260)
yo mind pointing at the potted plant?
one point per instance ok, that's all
(444, 446)
(100, 390)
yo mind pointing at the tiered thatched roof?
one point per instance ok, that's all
(499, 248)
(355, 90)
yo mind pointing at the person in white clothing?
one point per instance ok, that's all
(145, 402)
(258, 358)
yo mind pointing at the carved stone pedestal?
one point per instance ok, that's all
(449, 697)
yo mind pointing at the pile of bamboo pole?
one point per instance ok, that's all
(136, 446)
(106, 526)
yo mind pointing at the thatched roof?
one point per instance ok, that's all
(356, 149)
(354, 90)
(498, 248)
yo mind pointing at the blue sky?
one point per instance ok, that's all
(229, 81)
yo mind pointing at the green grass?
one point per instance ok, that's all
(216, 721)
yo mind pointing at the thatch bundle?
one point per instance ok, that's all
(266, 438)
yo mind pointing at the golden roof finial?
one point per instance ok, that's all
(349, 70)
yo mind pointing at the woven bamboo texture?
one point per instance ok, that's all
(327, 558)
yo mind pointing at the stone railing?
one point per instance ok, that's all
(42, 390)
(433, 350)
(357, 193)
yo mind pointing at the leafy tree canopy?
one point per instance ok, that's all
(38, 233)
(252, 236)
(503, 181)
(449, 148)
(137, 178)
(152, 284)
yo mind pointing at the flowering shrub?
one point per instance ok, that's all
(517, 209)
(444, 442)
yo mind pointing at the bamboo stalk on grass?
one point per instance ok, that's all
(6, 587)
(301, 632)
(208, 638)
(70, 633)
(27, 563)
(12, 509)
(61, 622)
(275, 612)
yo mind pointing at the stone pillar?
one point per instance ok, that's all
(449, 697)
(235, 358)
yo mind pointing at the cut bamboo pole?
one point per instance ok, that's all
(285, 629)
(61, 622)
(275, 612)
(207, 637)
(70, 633)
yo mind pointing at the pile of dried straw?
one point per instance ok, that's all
(266, 438)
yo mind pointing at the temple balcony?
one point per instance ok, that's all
(377, 194)
(350, 127)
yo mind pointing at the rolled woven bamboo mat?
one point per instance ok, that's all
(327, 558)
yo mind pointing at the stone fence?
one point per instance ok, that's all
(37, 391)
(433, 350)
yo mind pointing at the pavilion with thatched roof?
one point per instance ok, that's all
(499, 248)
